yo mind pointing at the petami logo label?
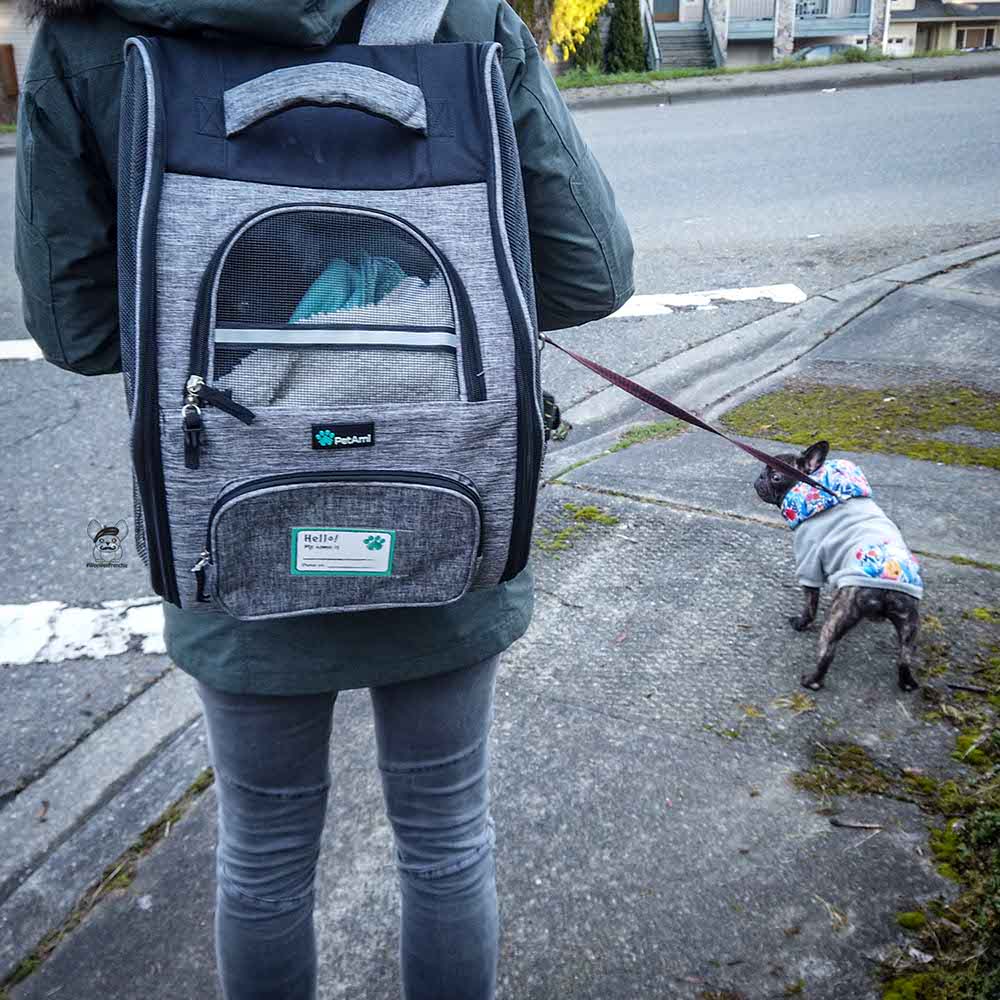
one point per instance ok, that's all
(327, 437)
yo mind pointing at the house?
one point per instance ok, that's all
(923, 25)
(15, 46)
(748, 32)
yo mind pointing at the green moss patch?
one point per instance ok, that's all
(581, 518)
(961, 934)
(894, 421)
(915, 920)
(642, 433)
(966, 561)
(843, 769)
(639, 434)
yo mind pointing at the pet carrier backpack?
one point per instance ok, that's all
(328, 328)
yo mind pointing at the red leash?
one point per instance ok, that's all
(661, 403)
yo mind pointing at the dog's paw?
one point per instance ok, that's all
(798, 623)
(812, 682)
(908, 684)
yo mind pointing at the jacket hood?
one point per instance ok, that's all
(288, 22)
(840, 476)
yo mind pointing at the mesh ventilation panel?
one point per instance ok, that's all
(514, 210)
(312, 273)
(323, 267)
(131, 181)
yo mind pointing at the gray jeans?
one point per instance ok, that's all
(271, 756)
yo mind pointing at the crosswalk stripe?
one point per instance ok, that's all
(638, 305)
(661, 305)
(51, 631)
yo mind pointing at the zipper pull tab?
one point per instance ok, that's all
(199, 391)
(193, 424)
(199, 574)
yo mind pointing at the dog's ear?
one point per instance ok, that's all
(93, 528)
(814, 456)
(122, 530)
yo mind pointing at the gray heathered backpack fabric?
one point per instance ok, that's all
(449, 483)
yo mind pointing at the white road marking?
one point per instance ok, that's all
(661, 305)
(19, 350)
(638, 305)
(51, 631)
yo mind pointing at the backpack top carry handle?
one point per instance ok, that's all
(325, 84)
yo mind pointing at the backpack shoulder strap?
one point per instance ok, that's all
(402, 22)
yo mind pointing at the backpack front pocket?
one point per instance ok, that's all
(322, 306)
(307, 543)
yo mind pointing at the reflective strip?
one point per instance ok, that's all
(375, 338)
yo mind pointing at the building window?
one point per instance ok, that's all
(991, 36)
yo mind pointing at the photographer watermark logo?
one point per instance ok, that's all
(108, 544)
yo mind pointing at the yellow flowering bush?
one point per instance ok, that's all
(571, 20)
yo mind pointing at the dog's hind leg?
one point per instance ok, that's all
(811, 601)
(844, 614)
(901, 610)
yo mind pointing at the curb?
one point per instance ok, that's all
(714, 375)
(847, 76)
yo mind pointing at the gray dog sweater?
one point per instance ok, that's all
(852, 543)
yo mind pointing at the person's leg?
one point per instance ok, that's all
(270, 754)
(433, 757)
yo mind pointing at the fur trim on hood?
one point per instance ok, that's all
(32, 10)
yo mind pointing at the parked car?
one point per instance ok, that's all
(827, 51)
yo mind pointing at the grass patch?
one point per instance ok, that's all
(581, 519)
(6, 128)
(883, 420)
(586, 78)
(638, 434)
(118, 875)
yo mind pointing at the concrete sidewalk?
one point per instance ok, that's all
(650, 841)
(841, 76)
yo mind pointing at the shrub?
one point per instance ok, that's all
(854, 54)
(626, 52)
(589, 54)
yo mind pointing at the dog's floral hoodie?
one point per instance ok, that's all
(849, 542)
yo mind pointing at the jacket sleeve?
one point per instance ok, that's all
(580, 244)
(64, 229)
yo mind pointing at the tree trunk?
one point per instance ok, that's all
(537, 15)
(541, 24)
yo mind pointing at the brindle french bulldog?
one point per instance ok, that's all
(855, 546)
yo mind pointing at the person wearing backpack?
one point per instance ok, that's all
(268, 686)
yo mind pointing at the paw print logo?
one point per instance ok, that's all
(373, 543)
(325, 438)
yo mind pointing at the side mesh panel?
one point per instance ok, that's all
(131, 180)
(514, 210)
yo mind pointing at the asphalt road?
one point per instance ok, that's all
(808, 188)
(813, 189)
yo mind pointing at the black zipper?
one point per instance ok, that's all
(357, 476)
(146, 456)
(475, 382)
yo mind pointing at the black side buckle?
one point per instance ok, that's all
(552, 417)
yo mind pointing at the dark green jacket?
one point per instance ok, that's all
(65, 256)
